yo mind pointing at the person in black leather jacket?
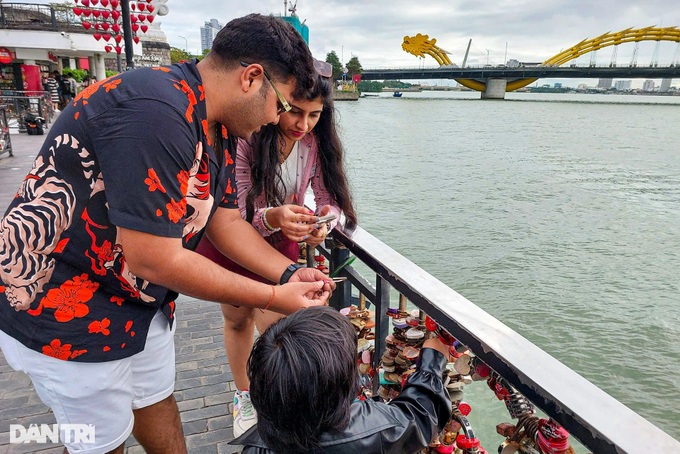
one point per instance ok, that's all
(304, 380)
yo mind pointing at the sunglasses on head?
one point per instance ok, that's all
(324, 68)
(283, 105)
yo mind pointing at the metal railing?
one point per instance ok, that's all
(600, 422)
(5, 139)
(31, 16)
(18, 103)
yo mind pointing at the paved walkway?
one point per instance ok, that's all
(204, 388)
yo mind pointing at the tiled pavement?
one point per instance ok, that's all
(203, 389)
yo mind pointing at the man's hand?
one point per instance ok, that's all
(296, 295)
(312, 275)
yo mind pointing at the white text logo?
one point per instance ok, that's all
(50, 433)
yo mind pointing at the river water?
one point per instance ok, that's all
(559, 214)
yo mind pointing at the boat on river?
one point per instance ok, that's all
(397, 94)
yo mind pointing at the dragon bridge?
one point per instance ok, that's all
(420, 45)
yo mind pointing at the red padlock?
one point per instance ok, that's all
(464, 442)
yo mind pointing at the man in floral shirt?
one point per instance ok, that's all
(99, 238)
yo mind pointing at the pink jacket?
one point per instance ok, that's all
(310, 171)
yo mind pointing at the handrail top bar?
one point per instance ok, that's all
(594, 417)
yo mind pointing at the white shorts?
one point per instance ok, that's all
(100, 394)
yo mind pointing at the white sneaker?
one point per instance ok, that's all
(245, 415)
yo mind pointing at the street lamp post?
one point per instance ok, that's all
(487, 56)
(186, 44)
(127, 34)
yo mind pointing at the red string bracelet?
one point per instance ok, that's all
(271, 300)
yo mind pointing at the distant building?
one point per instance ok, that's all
(648, 85)
(622, 85)
(208, 32)
(604, 83)
(665, 85)
(558, 84)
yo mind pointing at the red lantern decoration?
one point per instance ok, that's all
(77, 11)
(150, 18)
(115, 14)
(141, 17)
(87, 25)
(135, 39)
(106, 36)
(115, 3)
(97, 36)
(144, 28)
(108, 48)
(118, 38)
(104, 3)
(115, 28)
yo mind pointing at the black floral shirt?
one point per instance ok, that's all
(132, 151)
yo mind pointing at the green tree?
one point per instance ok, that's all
(370, 86)
(178, 55)
(353, 67)
(333, 59)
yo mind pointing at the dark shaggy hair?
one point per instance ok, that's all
(266, 170)
(269, 41)
(303, 378)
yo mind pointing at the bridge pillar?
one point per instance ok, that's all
(495, 89)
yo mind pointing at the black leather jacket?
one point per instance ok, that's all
(405, 425)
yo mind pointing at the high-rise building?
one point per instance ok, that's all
(208, 32)
(622, 84)
(665, 85)
(648, 85)
(604, 83)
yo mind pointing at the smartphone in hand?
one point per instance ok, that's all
(327, 218)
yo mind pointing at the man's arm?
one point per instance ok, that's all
(239, 241)
(164, 261)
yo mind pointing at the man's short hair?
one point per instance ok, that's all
(303, 378)
(271, 42)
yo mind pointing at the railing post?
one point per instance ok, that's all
(382, 325)
(54, 18)
(342, 296)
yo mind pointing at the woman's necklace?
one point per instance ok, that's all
(286, 151)
(291, 157)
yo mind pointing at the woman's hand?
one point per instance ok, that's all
(319, 234)
(296, 222)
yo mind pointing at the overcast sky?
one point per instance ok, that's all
(533, 30)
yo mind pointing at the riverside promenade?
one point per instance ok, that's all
(204, 388)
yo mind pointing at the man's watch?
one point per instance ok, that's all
(292, 268)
